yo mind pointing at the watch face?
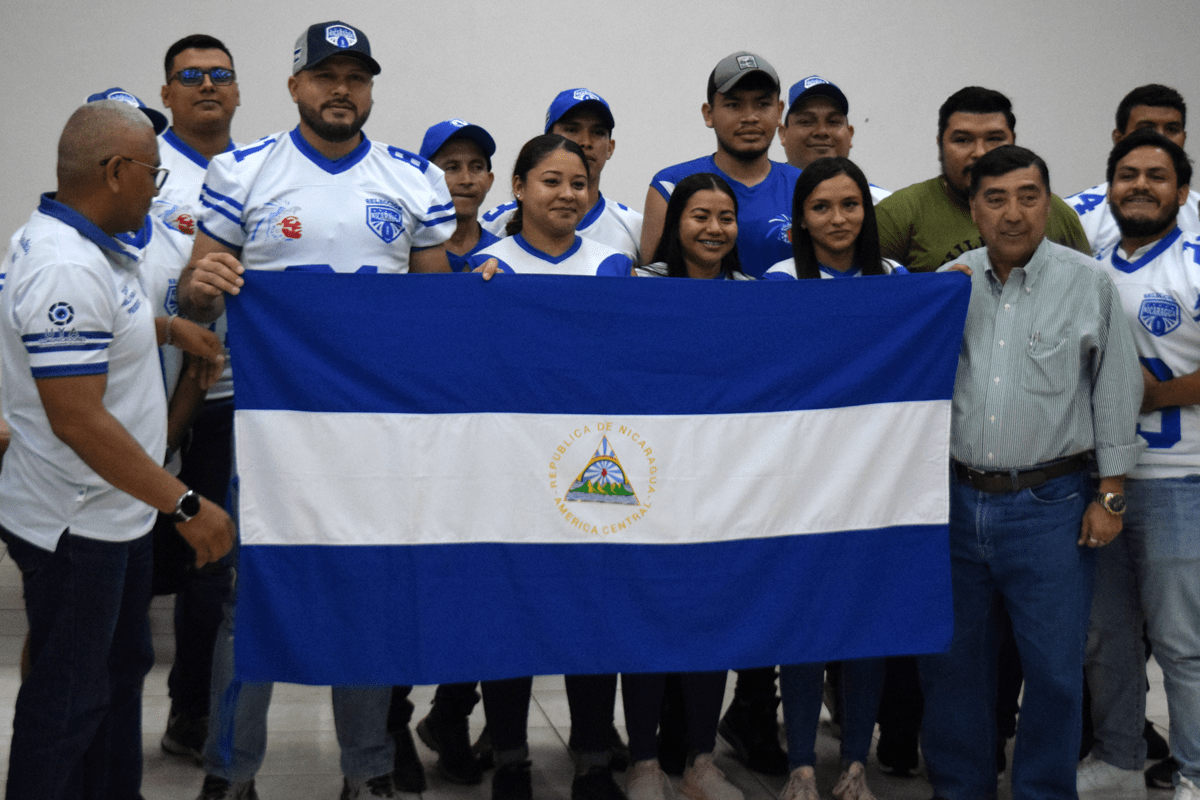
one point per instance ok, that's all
(190, 504)
(1116, 503)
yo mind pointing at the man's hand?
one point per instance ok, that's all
(1100, 526)
(210, 533)
(488, 268)
(204, 345)
(214, 275)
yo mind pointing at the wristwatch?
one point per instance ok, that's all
(187, 507)
(1111, 502)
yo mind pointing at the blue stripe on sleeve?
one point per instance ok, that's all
(206, 189)
(34, 348)
(235, 220)
(69, 370)
(214, 237)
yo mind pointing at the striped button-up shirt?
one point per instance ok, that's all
(1048, 367)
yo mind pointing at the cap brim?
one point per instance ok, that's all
(741, 76)
(821, 90)
(371, 63)
(604, 111)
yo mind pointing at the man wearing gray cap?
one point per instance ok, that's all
(817, 125)
(743, 109)
(388, 211)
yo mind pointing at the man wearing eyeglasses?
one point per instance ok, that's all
(82, 392)
(201, 94)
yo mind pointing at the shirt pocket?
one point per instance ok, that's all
(1051, 368)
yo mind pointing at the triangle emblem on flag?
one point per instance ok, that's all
(603, 480)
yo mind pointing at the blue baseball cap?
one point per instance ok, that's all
(570, 98)
(157, 118)
(439, 134)
(326, 39)
(814, 86)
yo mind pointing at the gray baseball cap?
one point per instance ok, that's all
(733, 68)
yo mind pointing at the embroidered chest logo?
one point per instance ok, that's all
(386, 219)
(183, 222)
(281, 224)
(1159, 313)
(781, 228)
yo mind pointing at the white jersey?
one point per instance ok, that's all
(613, 224)
(584, 257)
(1101, 227)
(877, 193)
(72, 304)
(285, 206)
(177, 205)
(786, 270)
(1160, 292)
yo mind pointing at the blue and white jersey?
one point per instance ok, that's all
(286, 206)
(610, 223)
(1101, 227)
(73, 304)
(764, 210)
(1159, 286)
(877, 193)
(786, 271)
(178, 200)
(584, 257)
(459, 263)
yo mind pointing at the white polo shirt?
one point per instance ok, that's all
(72, 303)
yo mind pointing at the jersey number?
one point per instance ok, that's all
(1170, 429)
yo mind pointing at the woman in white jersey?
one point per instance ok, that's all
(699, 241)
(549, 184)
(833, 236)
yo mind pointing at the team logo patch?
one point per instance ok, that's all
(183, 222)
(604, 486)
(386, 219)
(603, 479)
(340, 36)
(781, 228)
(747, 62)
(290, 227)
(813, 81)
(171, 303)
(124, 97)
(1159, 314)
(585, 94)
(458, 123)
(61, 313)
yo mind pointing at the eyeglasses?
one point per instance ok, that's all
(160, 173)
(194, 76)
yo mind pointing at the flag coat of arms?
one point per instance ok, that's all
(445, 479)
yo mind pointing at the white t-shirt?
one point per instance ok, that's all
(613, 224)
(786, 270)
(584, 257)
(72, 303)
(1160, 292)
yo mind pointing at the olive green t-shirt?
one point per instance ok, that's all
(923, 228)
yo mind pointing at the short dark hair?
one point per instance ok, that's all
(532, 154)
(196, 41)
(1152, 94)
(670, 248)
(1150, 138)
(755, 80)
(867, 255)
(1003, 160)
(975, 100)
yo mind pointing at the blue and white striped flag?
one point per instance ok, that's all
(443, 479)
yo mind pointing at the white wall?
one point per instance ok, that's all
(1065, 65)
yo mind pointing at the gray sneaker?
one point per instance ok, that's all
(379, 786)
(1099, 780)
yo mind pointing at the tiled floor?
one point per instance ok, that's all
(302, 759)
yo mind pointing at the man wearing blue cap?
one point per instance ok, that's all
(816, 125)
(82, 392)
(278, 204)
(464, 153)
(586, 119)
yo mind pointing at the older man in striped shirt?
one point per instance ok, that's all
(1048, 390)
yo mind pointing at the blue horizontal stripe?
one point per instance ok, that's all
(443, 207)
(206, 189)
(36, 348)
(236, 220)
(432, 223)
(35, 337)
(69, 370)
(663, 346)
(204, 229)
(443, 613)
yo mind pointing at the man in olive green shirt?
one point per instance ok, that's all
(929, 224)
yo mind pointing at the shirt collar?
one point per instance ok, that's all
(86, 228)
(1031, 270)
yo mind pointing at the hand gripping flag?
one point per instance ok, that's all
(445, 479)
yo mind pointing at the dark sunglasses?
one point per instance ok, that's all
(194, 76)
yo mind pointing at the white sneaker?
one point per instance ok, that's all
(647, 781)
(801, 786)
(1186, 790)
(703, 780)
(1099, 780)
(853, 784)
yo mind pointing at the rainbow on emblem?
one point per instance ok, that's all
(603, 479)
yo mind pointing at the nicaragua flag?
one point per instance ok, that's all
(445, 479)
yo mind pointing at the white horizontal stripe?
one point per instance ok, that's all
(310, 478)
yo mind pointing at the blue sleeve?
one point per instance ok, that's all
(776, 276)
(617, 265)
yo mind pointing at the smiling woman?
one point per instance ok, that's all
(699, 232)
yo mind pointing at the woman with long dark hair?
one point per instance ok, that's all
(699, 232)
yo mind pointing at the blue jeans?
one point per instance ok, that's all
(802, 686)
(1017, 551)
(77, 730)
(237, 727)
(1150, 574)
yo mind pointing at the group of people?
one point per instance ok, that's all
(1074, 442)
